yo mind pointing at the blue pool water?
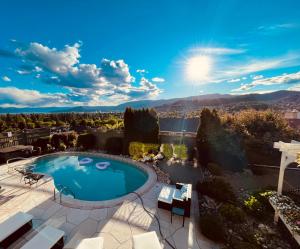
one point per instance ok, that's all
(86, 181)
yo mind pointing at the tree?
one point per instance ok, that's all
(217, 144)
(140, 126)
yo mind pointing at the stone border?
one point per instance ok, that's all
(81, 204)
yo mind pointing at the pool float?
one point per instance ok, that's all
(85, 160)
(102, 165)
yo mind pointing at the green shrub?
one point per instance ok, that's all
(217, 189)
(151, 148)
(215, 169)
(181, 151)
(137, 150)
(167, 150)
(232, 213)
(257, 204)
(212, 227)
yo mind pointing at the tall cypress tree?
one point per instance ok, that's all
(140, 126)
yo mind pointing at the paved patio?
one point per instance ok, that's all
(116, 224)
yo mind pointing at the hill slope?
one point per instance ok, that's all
(279, 100)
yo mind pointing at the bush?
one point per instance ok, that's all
(86, 141)
(212, 227)
(181, 151)
(257, 204)
(167, 150)
(217, 189)
(138, 150)
(215, 169)
(232, 213)
(62, 147)
(114, 145)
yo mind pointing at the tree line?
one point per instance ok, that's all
(17, 122)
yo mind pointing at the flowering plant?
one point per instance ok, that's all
(288, 208)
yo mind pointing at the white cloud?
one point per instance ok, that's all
(141, 71)
(158, 79)
(6, 78)
(88, 84)
(257, 65)
(257, 77)
(256, 92)
(22, 72)
(58, 61)
(291, 78)
(218, 50)
(234, 80)
(295, 88)
(269, 29)
(13, 96)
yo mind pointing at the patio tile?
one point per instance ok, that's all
(121, 231)
(87, 228)
(98, 214)
(76, 216)
(126, 245)
(51, 210)
(116, 224)
(110, 242)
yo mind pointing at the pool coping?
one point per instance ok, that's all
(82, 204)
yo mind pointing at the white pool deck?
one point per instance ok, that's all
(115, 224)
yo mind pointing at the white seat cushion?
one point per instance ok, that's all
(91, 243)
(168, 193)
(146, 241)
(13, 223)
(45, 239)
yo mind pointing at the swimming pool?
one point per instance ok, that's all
(91, 177)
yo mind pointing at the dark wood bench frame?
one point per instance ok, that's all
(16, 235)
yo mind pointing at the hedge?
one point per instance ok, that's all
(138, 150)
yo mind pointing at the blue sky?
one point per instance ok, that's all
(66, 53)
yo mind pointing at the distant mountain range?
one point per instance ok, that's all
(278, 100)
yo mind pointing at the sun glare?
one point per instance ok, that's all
(198, 68)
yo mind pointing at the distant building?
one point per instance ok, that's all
(294, 114)
(25, 137)
(293, 118)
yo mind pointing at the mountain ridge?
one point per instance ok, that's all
(279, 98)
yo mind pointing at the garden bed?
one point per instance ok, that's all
(288, 212)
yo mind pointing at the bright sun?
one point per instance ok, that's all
(198, 68)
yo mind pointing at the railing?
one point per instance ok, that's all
(12, 159)
(61, 190)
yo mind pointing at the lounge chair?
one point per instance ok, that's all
(91, 243)
(180, 193)
(23, 171)
(48, 238)
(146, 241)
(32, 178)
(14, 227)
